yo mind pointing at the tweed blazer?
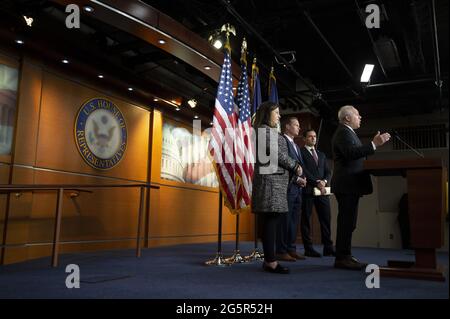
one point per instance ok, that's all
(269, 193)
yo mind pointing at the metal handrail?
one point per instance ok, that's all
(60, 188)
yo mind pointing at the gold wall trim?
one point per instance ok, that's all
(76, 174)
(115, 240)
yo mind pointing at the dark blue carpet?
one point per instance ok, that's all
(178, 272)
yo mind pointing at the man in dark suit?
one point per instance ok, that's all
(317, 175)
(287, 227)
(350, 181)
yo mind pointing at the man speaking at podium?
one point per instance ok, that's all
(350, 181)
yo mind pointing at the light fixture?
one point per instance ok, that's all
(88, 9)
(65, 61)
(207, 67)
(196, 117)
(192, 103)
(18, 41)
(216, 40)
(211, 123)
(177, 108)
(100, 76)
(130, 89)
(28, 21)
(365, 77)
(161, 41)
(155, 100)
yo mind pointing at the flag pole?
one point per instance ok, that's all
(255, 254)
(237, 258)
(218, 260)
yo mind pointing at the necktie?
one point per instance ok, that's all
(295, 147)
(314, 154)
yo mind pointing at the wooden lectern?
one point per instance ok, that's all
(426, 201)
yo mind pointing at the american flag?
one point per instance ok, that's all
(221, 144)
(244, 146)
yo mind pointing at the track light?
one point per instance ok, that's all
(216, 39)
(28, 21)
(192, 103)
(365, 77)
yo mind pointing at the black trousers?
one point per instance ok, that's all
(346, 223)
(288, 224)
(322, 204)
(268, 223)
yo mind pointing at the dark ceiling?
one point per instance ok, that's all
(332, 44)
(330, 41)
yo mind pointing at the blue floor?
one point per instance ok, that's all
(178, 272)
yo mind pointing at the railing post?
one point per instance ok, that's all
(140, 213)
(58, 216)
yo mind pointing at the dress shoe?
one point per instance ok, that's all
(285, 257)
(277, 270)
(312, 253)
(348, 263)
(363, 264)
(296, 255)
(329, 251)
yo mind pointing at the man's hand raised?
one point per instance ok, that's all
(380, 139)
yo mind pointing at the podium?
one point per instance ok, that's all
(426, 201)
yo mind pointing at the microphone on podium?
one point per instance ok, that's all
(397, 136)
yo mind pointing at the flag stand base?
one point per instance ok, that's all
(255, 255)
(218, 261)
(236, 258)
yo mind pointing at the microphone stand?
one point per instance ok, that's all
(409, 146)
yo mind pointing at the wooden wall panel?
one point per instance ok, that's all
(28, 114)
(61, 101)
(185, 216)
(4, 175)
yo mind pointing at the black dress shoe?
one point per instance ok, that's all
(277, 270)
(329, 252)
(312, 253)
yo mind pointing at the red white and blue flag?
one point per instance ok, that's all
(221, 144)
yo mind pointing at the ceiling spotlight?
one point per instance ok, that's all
(207, 67)
(217, 44)
(211, 123)
(130, 89)
(196, 117)
(161, 41)
(155, 100)
(18, 41)
(365, 77)
(177, 109)
(192, 103)
(28, 21)
(88, 9)
(65, 61)
(215, 39)
(100, 76)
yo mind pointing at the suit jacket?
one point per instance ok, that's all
(269, 192)
(349, 153)
(294, 189)
(314, 171)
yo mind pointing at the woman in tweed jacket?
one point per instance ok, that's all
(271, 179)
